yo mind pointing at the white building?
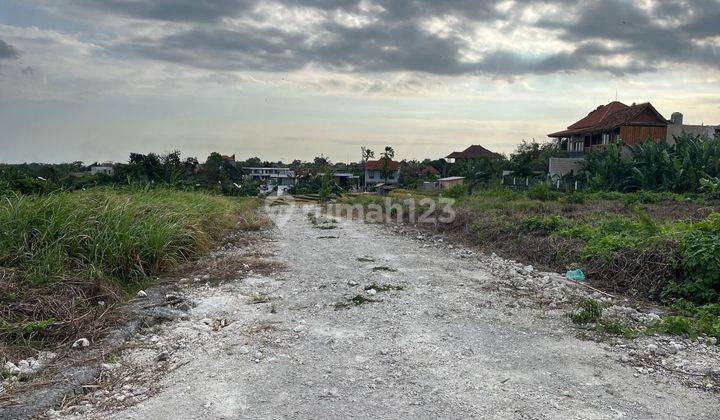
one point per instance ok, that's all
(375, 172)
(271, 178)
(104, 169)
(677, 128)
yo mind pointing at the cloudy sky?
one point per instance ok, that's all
(96, 79)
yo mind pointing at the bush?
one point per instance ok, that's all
(683, 167)
(457, 191)
(591, 312)
(541, 192)
(575, 198)
(700, 256)
(546, 224)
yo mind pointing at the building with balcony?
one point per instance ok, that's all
(611, 123)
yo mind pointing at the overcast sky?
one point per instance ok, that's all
(94, 80)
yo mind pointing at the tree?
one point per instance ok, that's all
(367, 154)
(386, 158)
(253, 162)
(531, 156)
(321, 161)
(213, 168)
(190, 164)
(146, 167)
(607, 169)
(478, 171)
(295, 165)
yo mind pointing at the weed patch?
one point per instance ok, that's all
(384, 268)
(384, 287)
(257, 298)
(589, 313)
(356, 300)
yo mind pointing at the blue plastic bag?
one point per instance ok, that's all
(576, 275)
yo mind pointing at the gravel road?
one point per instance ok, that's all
(446, 339)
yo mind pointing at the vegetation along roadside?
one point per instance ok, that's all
(67, 257)
(657, 247)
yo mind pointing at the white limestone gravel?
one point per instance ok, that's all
(468, 335)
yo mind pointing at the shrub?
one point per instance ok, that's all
(457, 191)
(547, 224)
(700, 256)
(590, 312)
(541, 192)
(683, 167)
(575, 198)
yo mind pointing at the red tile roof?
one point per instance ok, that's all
(473, 152)
(429, 170)
(598, 115)
(377, 165)
(611, 116)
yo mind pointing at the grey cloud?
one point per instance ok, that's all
(7, 51)
(396, 42)
(28, 71)
(641, 35)
(170, 10)
(222, 49)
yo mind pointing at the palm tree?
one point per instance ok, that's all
(476, 172)
(367, 154)
(387, 157)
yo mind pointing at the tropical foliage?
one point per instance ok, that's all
(692, 164)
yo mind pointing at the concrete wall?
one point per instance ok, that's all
(676, 130)
(563, 166)
(449, 183)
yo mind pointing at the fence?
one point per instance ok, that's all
(524, 183)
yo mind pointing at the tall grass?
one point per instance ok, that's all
(123, 235)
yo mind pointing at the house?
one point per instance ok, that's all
(107, 168)
(676, 128)
(228, 159)
(271, 178)
(428, 172)
(375, 172)
(473, 152)
(606, 124)
(346, 180)
(451, 181)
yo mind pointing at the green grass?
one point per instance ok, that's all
(64, 252)
(651, 244)
(590, 312)
(123, 235)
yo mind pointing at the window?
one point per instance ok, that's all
(606, 138)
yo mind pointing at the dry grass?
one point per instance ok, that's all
(51, 315)
(68, 260)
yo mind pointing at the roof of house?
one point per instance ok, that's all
(610, 116)
(452, 178)
(377, 165)
(344, 175)
(429, 170)
(473, 152)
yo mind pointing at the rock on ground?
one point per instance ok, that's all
(448, 333)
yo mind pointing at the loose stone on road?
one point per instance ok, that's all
(372, 324)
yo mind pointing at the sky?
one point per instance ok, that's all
(94, 80)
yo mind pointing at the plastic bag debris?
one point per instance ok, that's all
(576, 275)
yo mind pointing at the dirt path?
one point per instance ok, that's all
(451, 343)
